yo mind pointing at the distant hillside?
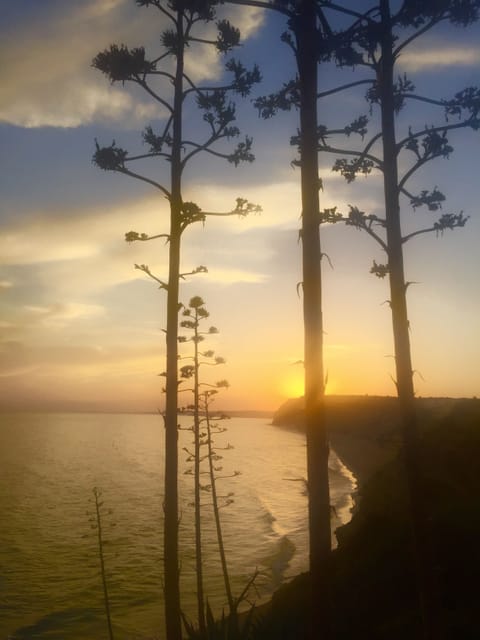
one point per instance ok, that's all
(249, 413)
(366, 412)
(364, 430)
(238, 413)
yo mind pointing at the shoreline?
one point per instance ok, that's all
(363, 456)
(364, 431)
(374, 550)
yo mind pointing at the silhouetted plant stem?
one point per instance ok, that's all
(194, 314)
(375, 42)
(433, 629)
(98, 519)
(307, 37)
(203, 393)
(197, 460)
(216, 510)
(171, 87)
(171, 563)
(308, 31)
(171, 558)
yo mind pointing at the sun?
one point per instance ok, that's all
(293, 386)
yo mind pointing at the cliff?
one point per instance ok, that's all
(373, 588)
(364, 430)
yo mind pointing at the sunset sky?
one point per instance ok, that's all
(81, 329)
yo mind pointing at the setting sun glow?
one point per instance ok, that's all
(293, 386)
(81, 328)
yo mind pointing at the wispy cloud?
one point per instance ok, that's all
(83, 376)
(59, 314)
(55, 85)
(73, 272)
(46, 73)
(440, 57)
(234, 276)
(35, 245)
(279, 201)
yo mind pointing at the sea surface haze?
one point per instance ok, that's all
(50, 587)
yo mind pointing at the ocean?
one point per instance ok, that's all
(50, 585)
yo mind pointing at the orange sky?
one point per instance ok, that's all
(81, 329)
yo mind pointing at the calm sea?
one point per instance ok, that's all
(50, 586)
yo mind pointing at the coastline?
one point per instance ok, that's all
(363, 456)
(361, 453)
(375, 547)
(364, 431)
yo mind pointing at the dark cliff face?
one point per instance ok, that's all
(370, 416)
(364, 431)
(373, 594)
(290, 413)
(374, 548)
(356, 413)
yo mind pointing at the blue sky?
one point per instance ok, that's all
(80, 328)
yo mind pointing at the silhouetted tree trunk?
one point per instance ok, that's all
(170, 549)
(120, 64)
(400, 324)
(303, 20)
(171, 560)
(375, 40)
(307, 36)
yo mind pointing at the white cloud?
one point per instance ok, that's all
(439, 57)
(53, 84)
(65, 311)
(234, 276)
(13, 372)
(84, 252)
(58, 315)
(75, 106)
(203, 62)
(280, 202)
(31, 245)
(78, 234)
(46, 73)
(69, 361)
